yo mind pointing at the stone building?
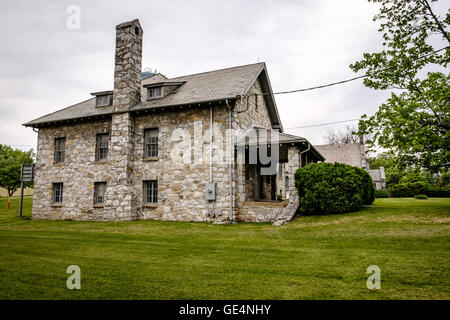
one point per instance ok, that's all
(353, 154)
(167, 149)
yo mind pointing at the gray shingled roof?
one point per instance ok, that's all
(83, 109)
(201, 87)
(208, 86)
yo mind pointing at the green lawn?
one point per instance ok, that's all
(310, 258)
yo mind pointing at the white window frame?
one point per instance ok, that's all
(151, 143)
(99, 192)
(154, 93)
(103, 100)
(101, 146)
(60, 150)
(150, 191)
(58, 189)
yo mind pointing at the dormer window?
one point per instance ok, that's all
(162, 89)
(155, 93)
(103, 98)
(103, 101)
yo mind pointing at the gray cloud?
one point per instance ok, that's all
(44, 66)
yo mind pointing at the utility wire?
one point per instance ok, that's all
(323, 124)
(346, 80)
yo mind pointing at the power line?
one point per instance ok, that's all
(344, 81)
(323, 124)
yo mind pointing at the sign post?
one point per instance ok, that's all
(26, 175)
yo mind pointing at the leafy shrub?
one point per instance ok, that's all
(326, 188)
(434, 192)
(421, 196)
(381, 194)
(409, 189)
(368, 186)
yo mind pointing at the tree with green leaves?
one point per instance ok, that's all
(10, 167)
(413, 123)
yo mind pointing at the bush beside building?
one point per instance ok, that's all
(326, 188)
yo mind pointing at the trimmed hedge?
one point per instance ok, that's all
(434, 192)
(421, 196)
(326, 188)
(409, 189)
(381, 194)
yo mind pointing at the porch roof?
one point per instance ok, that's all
(283, 139)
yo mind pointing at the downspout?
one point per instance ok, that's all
(210, 143)
(231, 155)
(210, 154)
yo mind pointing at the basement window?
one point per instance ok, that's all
(154, 93)
(103, 100)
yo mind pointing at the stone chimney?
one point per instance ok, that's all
(128, 64)
(120, 196)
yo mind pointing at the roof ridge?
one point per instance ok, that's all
(229, 68)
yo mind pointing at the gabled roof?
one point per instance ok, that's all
(230, 83)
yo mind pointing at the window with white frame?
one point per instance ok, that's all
(154, 93)
(151, 143)
(57, 193)
(104, 100)
(150, 192)
(99, 192)
(101, 150)
(60, 149)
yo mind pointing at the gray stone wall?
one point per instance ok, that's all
(181, 186)
(78, 173)
(181, 194)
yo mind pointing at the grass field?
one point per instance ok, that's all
(322, 257)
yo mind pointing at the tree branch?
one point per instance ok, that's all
(439, 25)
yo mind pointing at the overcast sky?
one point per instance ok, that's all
(45, 66)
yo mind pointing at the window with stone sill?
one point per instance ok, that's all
(154, 93)
(150, 192)
(101, 149)
(99, 193)
(57, 192)
(151, 143)
(60, 150)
